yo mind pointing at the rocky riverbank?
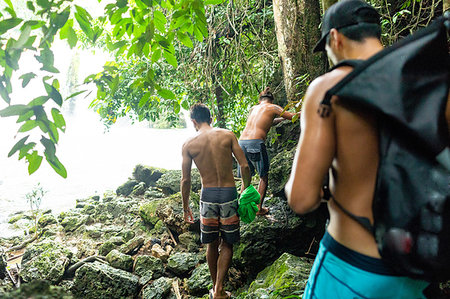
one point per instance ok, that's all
(134, 244)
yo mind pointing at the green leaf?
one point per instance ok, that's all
(18, 146)
(58, 118)
(9, 4)
(26, 78)
(185, 105)
(50, 148)
(47, 59)
(75, 94)
(185, 40)
(8, 24)
(156, 55)
(54, 94)
(167, 94)
(121, 3)
(144, 99)
(34, 162)
(170, 58)
(68, 33)
(160, 20)
(60, 19)
(83, 18)
(44, 4)
(57, 165)
(176, 107)
(25, 116)
(24, 36)
(28, 125)
(118, 45)
(14, 110)
(30, 6)
(39, 101)
(25, 149)
(198, 34)
(4, 94)
(72, 38)
(213, 2)
(53, 132)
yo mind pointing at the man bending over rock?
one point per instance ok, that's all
(252, 139)
(212, 150)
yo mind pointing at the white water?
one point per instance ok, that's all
(95, 161)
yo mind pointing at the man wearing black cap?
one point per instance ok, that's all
(348, 264)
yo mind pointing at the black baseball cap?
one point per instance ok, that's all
(343, 14)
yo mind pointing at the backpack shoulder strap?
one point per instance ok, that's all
(325, 106)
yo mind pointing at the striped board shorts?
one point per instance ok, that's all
(218, 214)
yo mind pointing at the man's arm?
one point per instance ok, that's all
(186, 184)
(314, 154)
(240, 157)
(282, 115)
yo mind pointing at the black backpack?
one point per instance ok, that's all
(406, 87)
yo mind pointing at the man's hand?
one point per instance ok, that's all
(188, 217)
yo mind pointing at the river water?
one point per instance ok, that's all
(95, 160)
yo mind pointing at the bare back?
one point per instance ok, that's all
(212, 151)
(260, 120)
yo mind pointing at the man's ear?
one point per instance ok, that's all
(336, 38)
(194, 122)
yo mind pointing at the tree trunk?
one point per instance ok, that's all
(218, 92)
(297, 28)
(326, 4)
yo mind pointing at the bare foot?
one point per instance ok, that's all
(262, 211)
(223, 295)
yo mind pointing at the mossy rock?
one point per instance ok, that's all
(139, 189)
(119, 260)
(200, 281)
(13, 219)
(181, 263)
(147, 174)
(106, 248)
(71, 223)
(47, 219)
(148, 263)
(158, 289)
(97, 280)
(169, 183)
(45, 260)
(126, 188)
(287, 276)
(38, 289)
(147, 212)
(280, 170)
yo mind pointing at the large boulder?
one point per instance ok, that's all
(126, 188)
(119, 260)
(147, 263)
(45, 260)
(71, 223)
(158, 289)
(286, 277)
(98, 280)
(148, 175)
(283, 136)
(147, 211)
(47, 219)
(266, 238)
(181, 263)
(169, 182)
(280, 170)
(200, 281)
(139, 189)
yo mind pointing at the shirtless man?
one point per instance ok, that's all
(348, 262)
(252, 139)
(212, 150)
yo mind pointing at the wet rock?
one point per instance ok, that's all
(117, 240)
(159, 289)
(266, 238)
(170, 211)
(127, 235)
(180, 263)
(38, 289)
(47, 219)
(45, 260)
(148, 263)
(119, 260)
(97, 280)
(148, 175)
(200, 281)
(153, 193)
(287, 276)
(126, 188)
(283, 136)
(148, 276)
(133, 245)
(147, 212)
(139, 189)
(169, 183)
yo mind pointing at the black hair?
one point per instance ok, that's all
(266, 94)
(359, 32)
(200, 113)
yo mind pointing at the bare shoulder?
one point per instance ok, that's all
(224, 132)
(187, 143)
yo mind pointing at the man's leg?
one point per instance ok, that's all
(223, 263)
(262, 188)
(212, 255)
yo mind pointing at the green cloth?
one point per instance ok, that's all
(248, 204)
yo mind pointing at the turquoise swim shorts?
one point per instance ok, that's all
(339, 272)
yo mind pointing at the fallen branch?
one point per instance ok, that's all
(23, 245)
(176, 289)
(171, 236)
(71, 270)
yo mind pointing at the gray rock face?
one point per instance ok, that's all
(200, 281)
(266, 238)
(97, 280)
(159, 289)
(169, 183)
(148, 175)
(119, 260)
(71, 223)
(132, 245)
(287, 276)
(106, 248)
(180, 263)
(139, 189)
(37, 289)
(126, 188)
(190, 241)
(147, 263)
(45, 260)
